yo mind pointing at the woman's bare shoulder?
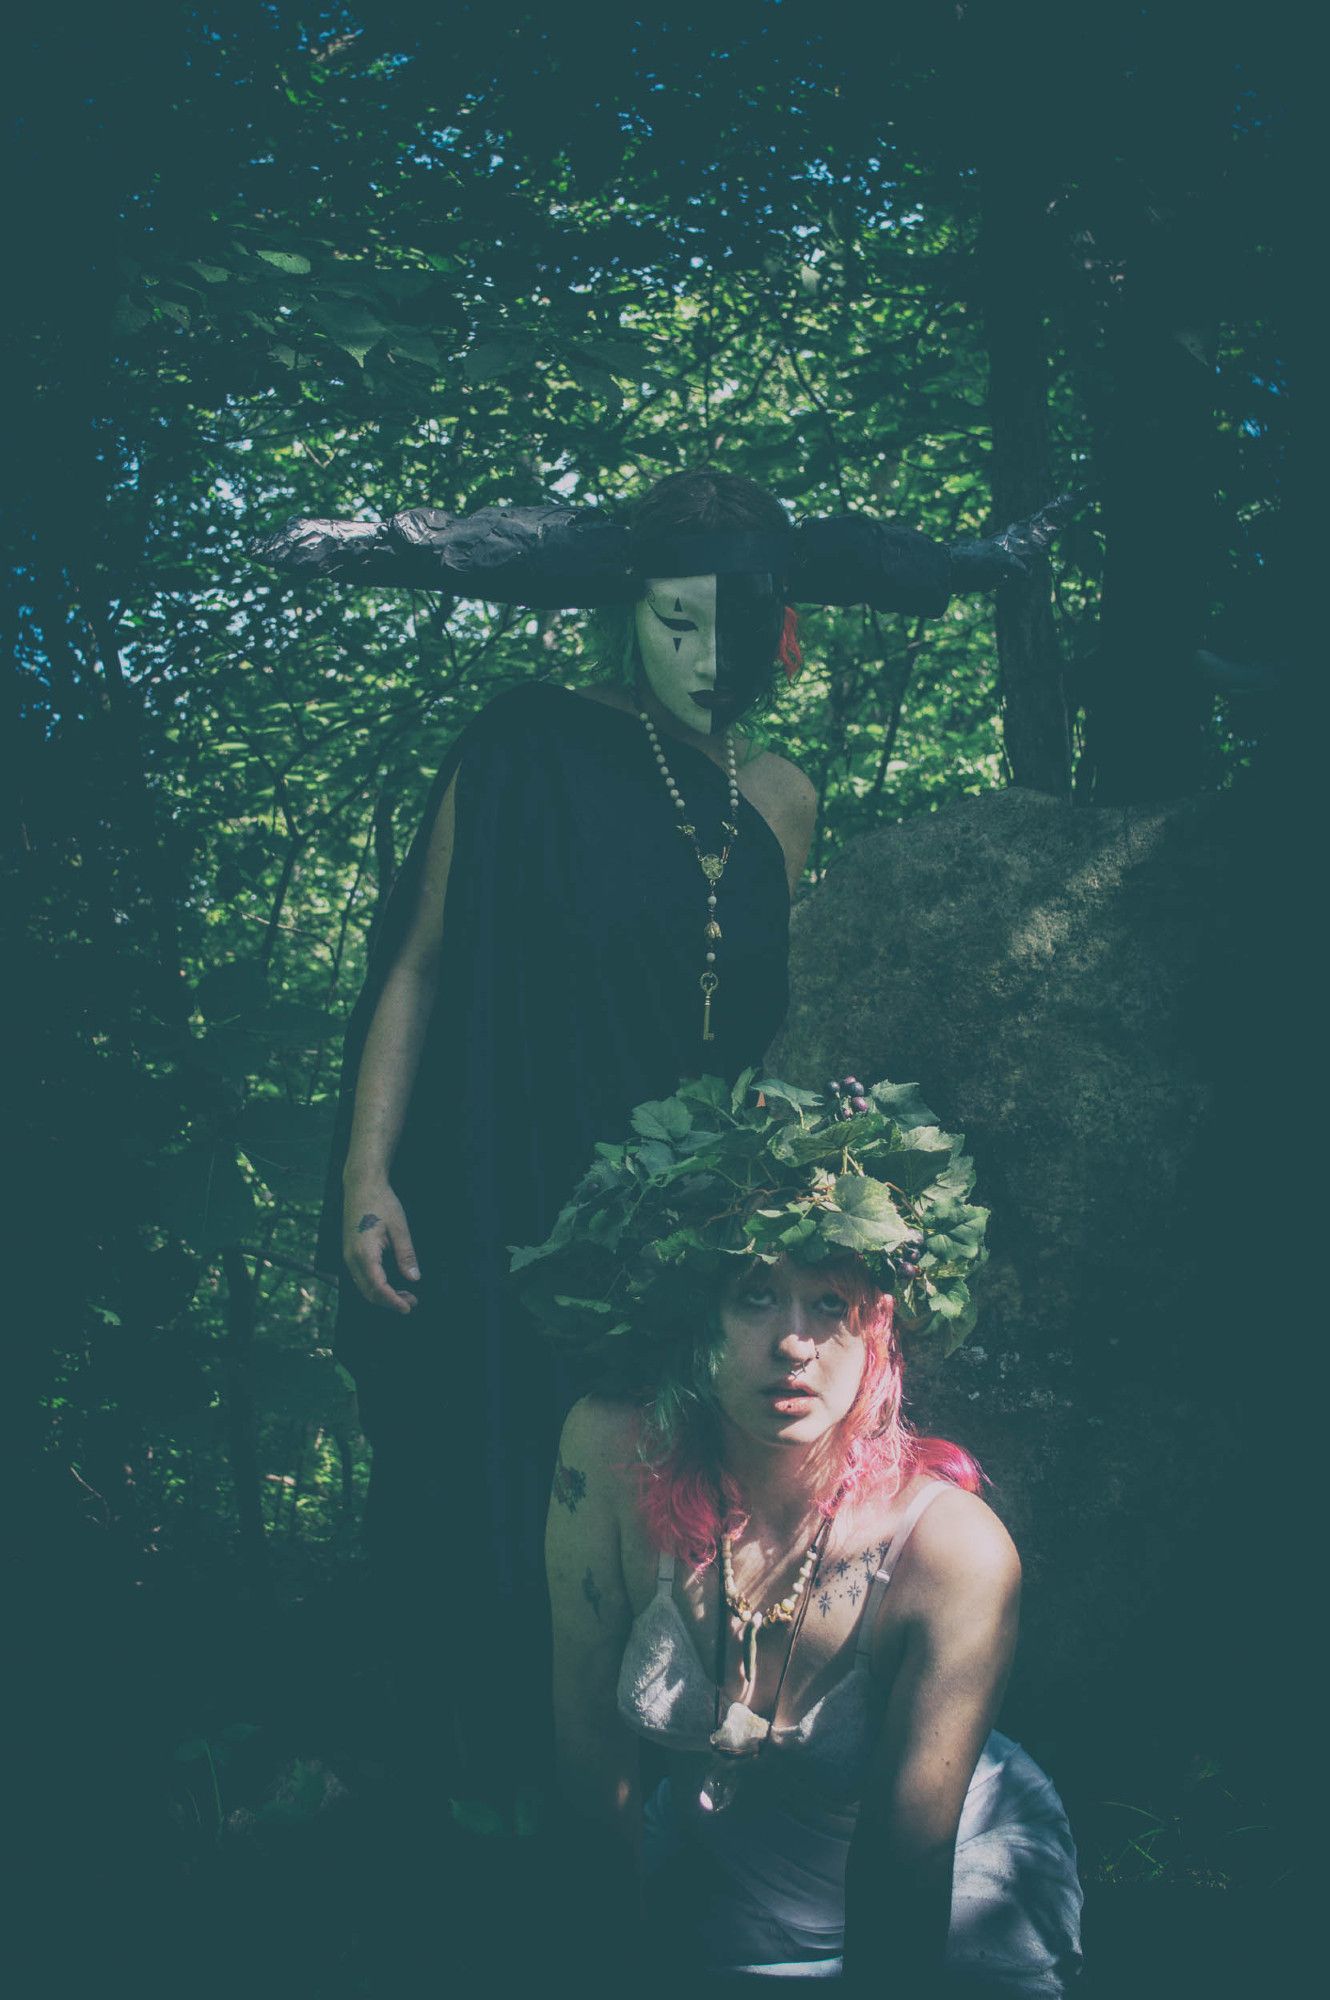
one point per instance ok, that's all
(780, 776)
(959, 1544)
(602, 1429)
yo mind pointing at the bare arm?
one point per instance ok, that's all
(372, 1217)
(801, 819)
(961, 1635)
(787, 800)
(596, 1756)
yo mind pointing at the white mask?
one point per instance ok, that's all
(676, 636)
(708, 644)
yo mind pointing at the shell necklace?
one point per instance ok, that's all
(743, 1732)
(712, 865)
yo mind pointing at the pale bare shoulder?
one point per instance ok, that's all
(780, 777)
(787, 800)
(960, 1548)
(599, 1433)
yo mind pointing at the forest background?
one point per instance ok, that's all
(290, 260)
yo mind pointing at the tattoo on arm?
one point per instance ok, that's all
(569, 1486)
(591, 1593)
(366, 1222)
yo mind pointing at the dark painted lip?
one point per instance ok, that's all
(708, 700)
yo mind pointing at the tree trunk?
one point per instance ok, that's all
(1146, 712)
(1012, 281)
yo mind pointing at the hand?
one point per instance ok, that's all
(374, 1224)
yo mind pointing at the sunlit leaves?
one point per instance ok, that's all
(292, 262)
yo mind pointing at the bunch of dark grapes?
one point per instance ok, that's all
(848, 1097)
(911, 1250)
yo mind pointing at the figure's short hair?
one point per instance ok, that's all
(699, 499)
(704, 497)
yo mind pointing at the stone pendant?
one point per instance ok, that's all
(718, 1788)
(742, 1733)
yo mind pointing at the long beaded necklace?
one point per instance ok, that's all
(712, 865)
(745, 1623)
(742, 1733)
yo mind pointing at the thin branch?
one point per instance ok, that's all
(291, 1264)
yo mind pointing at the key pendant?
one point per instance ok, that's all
(708, 982)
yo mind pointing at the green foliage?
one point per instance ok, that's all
(628, 1278)
(454, 270)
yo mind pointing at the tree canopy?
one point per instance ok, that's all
(339, 262)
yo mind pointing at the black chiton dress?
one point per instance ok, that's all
(568, 994)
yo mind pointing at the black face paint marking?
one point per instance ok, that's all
(677, 644)
(678, 604)
(673, 624)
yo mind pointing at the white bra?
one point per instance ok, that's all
(666, 1694)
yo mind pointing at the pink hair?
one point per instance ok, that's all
(687, 1504)
(791, 653)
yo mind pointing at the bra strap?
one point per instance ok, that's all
(665, 1575)
(878, 1589)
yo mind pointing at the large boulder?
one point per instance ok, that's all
(1065, 985)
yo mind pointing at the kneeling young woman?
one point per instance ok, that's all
(757, 1567)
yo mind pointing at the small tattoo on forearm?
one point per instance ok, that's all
(569, 1486)
(366, 1222)
(590, 1592)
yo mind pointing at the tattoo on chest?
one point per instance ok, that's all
(569, 1486)
(591, 1592)
(846, 1580)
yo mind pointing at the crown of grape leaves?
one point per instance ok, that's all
(714, 1173)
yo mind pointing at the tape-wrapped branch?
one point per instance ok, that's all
(552, 558)
(853, 559)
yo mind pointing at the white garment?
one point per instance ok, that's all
(776, 1861)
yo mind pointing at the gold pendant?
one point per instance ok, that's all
(713, 932)
(708, 982)
(713, 866)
